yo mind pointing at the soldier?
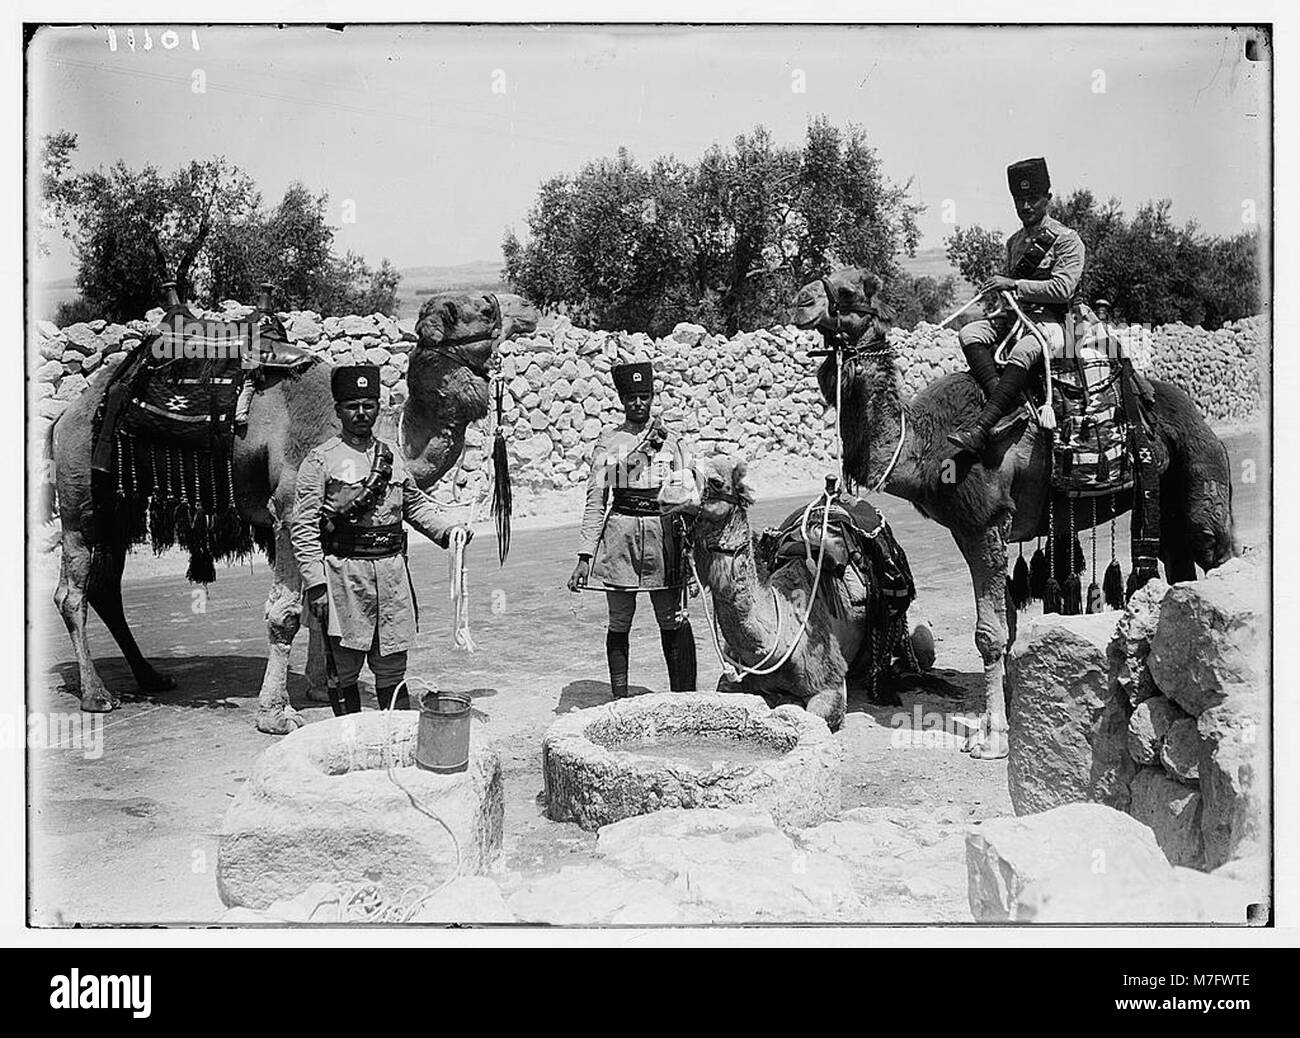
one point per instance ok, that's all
(1044, 264)
(354, 491)
(634, 548)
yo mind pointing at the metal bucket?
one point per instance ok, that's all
(442, 743)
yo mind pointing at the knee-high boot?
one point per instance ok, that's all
(385, 696)
(980, 359)
(616, 655)
(350, 697)
(1001, 400)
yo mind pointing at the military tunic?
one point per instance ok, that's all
(631, 552)
(1053, 283)
(367, 597)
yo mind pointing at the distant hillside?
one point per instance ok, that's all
(418, 283)
(931, 262)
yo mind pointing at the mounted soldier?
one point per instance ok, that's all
(353, 493)
(625, 543)
(1044, 264)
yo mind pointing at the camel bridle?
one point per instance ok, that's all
(454, 348)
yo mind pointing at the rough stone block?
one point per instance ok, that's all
(1057, 679)
(1007, 856)
(1148, 725)
(329, 804)
(1172, 811)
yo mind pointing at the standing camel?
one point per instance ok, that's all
(760, 615)
(901, 448)
(447, 383)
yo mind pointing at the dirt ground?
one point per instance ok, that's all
(125, 830)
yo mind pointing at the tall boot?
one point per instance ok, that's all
(350, 696)
(685, 658)
(672, 656)
(385, 696)
(616, 655)
(980, 360)
(1001, 400)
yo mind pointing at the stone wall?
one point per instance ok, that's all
(1161, 711)
(754, 393)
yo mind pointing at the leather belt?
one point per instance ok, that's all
(346, 541)
(635, 501)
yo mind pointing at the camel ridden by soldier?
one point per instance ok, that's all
(625, 542)
(1044, 264)
(353, 493)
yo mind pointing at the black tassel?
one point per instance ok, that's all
(264, 538)
(1094, 598)
(1137, 580)
(1052, 597)
(139, 519)
(1038, 574)
(502, 503)
(1112, 586)
(201, 570)
(1020, 583)
(1078, 557)
(182, 516)
(1072, 596)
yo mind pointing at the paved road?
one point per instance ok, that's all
(130, 834)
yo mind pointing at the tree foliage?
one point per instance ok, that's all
(724, 242)
(205, 226)
(1150, 269)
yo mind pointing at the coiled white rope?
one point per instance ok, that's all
(458, 592)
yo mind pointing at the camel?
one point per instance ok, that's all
(714, 497)
(447, 383)
(901, 448)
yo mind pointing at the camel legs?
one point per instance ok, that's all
(830, 706)
(986, 555)
(72, 601)
(105, 596)
(283, 617)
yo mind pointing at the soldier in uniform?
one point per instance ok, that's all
(354, 491)
(625, 543)
(1044, 264)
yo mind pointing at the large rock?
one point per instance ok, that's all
(1234, 779)
(1211, 637)
(1173, 812)
(1056, 676)
(1180, 752)
(596, 894)
(1148, 725)
(1127, 653)
(731, 866)
(332, 803)
(1005, 857)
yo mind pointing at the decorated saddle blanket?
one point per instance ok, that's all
(857, 537)
(1090, 453)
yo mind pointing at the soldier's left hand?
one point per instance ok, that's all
(999, 283)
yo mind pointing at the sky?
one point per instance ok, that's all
(439, 136)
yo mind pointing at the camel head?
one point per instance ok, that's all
(471, 325)
(708, 491)
(846, 303)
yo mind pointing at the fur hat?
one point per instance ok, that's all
(633, 378)
(1028, 178)
(356, 382)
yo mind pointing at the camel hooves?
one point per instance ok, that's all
(279, 722)
(99, 702)
(991, 746)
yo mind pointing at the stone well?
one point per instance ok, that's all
(593, 780)
(324, 805)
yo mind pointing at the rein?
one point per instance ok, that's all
(453, 348)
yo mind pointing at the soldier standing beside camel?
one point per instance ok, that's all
(634, 548)
(354, 491)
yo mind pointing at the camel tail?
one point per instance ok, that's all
(47, 495)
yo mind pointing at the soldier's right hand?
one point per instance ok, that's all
(318, 604)
(580, 574)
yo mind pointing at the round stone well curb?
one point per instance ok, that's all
(590, 783)
(320, 807)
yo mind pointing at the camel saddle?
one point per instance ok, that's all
(179, 385)
(857, 535)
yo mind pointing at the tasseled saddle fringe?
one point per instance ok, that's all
(1112, 586)
(502, 495)
(172, 497)
(1020, 595)
(1038, 574)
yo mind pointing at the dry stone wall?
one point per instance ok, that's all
(754, 393)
